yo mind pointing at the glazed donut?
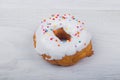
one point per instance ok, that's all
(62, 40)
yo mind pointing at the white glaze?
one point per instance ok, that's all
(50, 47)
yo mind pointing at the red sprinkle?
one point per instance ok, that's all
(44, 20)
(51, 38)
(58, 44)
(53, 19)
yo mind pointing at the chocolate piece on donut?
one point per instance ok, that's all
(62, 40)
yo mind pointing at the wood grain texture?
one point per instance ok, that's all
(19, 61)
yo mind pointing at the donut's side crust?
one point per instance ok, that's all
(34, 40)
(72, 59)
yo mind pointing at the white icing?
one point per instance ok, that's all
(50, 47)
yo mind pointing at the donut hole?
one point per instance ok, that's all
(62, 35)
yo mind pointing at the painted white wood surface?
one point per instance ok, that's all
(19, 60)
(62, 4)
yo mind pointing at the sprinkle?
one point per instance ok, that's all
(56, 17)
(79, 41)
(79, 21)
(52, 15)
(51, 38)
(56, 40)
(48, 23)
(77, 26)
(81, 29)
(63, 17)
(85, 44)
(82, 22)
(47, 26)
(60, 23)
(53, 19)
(51, 29)
(75, 45)
(44, 20)
(78, 36)
(59, 19)
(73, 17)
(78, 32)
(43, 29)
(75, 34)
(58, 44)
(46, 30)
(76, 19)
(64, 14)
(57, 14)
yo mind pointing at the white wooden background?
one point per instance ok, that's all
(20, 18)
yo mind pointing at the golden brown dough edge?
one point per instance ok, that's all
(71, 59)
(34, 40)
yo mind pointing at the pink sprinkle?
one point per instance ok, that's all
(53, 19)
(73, 17)
(58, 44)
(75, 34)
(84, 43)
(82, 22)
(75, 45)
(57, 14)
(44, 20)
(77, 26)
(64, 14)
(43, 29)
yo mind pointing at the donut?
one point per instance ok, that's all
(62, 40)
